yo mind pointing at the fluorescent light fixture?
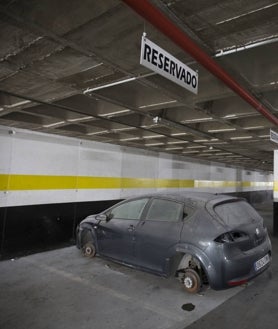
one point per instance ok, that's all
(179, 134)
(152, 136)
(17, 104)
(129, 139)
(210, 150)
(228, 116)
(173, 148)
(254, 127)
(113, 113)
(178, 142)
(264, 136)
(123, 129)
(89, 90)
(80, 119)
(245, 14)
(98, 132)
(91, 67)
(54, 124)
(241, 137)
(190, 152)
(154, 144)
(196, 147)
(1, 109)
(198, 120)
(119, 82)
(249, 141)
(221, 130)
(156, 104)
(200, 140)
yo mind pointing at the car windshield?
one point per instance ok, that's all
(237, 213)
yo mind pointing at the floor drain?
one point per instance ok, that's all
(188, 307)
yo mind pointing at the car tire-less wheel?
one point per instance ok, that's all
(191, 281)
(89, 250)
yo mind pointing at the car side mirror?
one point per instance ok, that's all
(184, 215)
(102, 217)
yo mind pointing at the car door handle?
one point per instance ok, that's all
(131, 228)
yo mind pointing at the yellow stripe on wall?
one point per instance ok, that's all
(275, 186)
(43, 182)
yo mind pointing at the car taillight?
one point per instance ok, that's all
(230, 237)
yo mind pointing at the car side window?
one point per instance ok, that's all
(165, 210)
(129, 210)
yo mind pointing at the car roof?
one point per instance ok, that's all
(202, 197)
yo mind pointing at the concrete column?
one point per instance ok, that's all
(275, 195)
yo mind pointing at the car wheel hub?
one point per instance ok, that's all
(88, 250)
(188, 282)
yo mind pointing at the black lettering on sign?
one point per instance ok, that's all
(178, 71)
(154, 57)
(172, 68)
(183, 75)
(194, 82)
(147, 52)
(188, 78)
(166, 64)
(160, 63)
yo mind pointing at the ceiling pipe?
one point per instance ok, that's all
(149, 12)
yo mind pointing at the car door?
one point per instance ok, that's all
(157, 233)
(116, 235)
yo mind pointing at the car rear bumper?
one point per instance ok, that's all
(241, 267)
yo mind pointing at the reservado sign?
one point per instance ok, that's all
(163, 63)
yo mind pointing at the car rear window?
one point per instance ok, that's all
(236, 213)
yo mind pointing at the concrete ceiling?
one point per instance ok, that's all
(52, 52)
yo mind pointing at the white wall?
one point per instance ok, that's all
(36, 154)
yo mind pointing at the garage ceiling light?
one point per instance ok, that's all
(178, 142)
(190, 152)
(54, 124)
(264, 136)
(196, 147)
(80, 119)
(152, 136)
(254, 127)
(197, 120)
(173, 148)
(154, 144)
(129, 139)
(89, 90)
(179, 134)
(156, 104)
(241, 137)
(221, 130)
(123, 129)
(245, 14)
(114, 113)
(17, 104)
(98, 132)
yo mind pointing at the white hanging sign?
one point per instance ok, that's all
(160, 61)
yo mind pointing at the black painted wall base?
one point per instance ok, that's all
(30, 229)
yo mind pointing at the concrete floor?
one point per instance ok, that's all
(62, 289)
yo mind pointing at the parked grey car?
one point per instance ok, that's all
(198, 237)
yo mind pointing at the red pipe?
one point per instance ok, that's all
(162, 23)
